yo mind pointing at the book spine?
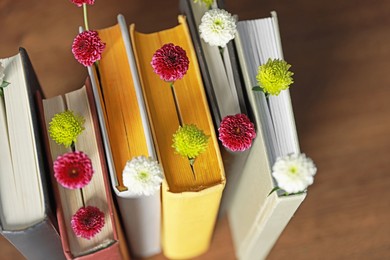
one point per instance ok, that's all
(188, 221)
(190, 205)
(268, 227)
(142, 222)
(38, 242)
(186, 8)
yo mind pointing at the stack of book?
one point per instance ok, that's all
(129, 111)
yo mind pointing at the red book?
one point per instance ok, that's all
(106, 244)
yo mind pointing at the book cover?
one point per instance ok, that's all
(37, 239)
(96, 193)
(190, 194)
(257, 223)
(126, 134)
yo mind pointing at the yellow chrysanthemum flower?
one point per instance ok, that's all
(64, 127)
(190, 141)
(274, 76)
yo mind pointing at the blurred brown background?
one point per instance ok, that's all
(340, 52)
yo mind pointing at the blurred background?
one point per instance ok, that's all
(340, 54)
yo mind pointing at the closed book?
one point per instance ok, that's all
(256, 219)
(257, 223)
(97, 193)
(126, 134)
(190, 194)
(223, 82)
(219, 67)
(27, 217)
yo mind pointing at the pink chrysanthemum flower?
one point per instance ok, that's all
(87, 47)
(73, 170)
(236, 132)
(87, 222)
(170, 62)
(80, 3)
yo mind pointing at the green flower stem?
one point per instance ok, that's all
(285, 193)
(85, 17)
(273, 190)
(96, 64)
(192, 161)
(176, 105)
(221, 51)
(257, 88)
(3, 85)
(208, 3)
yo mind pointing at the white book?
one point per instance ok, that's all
(256, 218)
(27, 217)
(221, 77)
(217, 66)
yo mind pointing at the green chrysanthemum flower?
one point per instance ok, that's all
(274, 76)
(190, 141)
(64, 127)
(208, 3)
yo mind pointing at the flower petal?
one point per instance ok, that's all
(87, 222)
(170, 62)
(73, 170)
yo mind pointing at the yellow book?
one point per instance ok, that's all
(190, 195)
(119, 102)
(126, 134)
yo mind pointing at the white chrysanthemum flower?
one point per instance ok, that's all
(294, 173)
(217, 27)
(142, 176)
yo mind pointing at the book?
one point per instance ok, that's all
(217, 73)
(257, 223)
(190, 195)
(105, 244)
(126, 134)
(220, 73)
(26, 209)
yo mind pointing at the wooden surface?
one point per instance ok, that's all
(340, 52)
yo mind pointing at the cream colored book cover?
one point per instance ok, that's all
(257, 223)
